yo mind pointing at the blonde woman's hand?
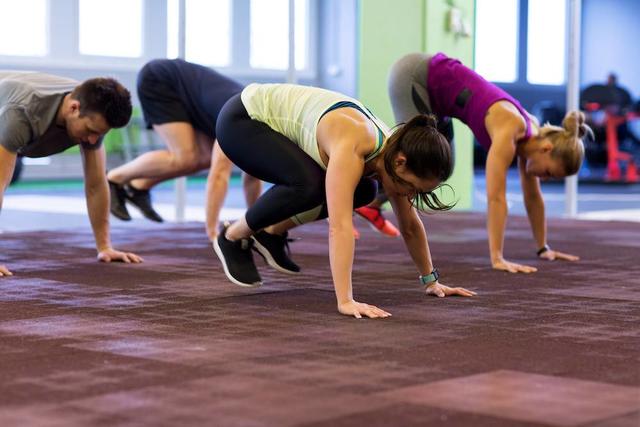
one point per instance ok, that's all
(358, 309)
(441, 291)
(552, 255)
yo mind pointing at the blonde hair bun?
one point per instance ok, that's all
(574, 124)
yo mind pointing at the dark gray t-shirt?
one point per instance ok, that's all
(29, 103)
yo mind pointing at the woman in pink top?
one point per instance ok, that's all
(421, 83)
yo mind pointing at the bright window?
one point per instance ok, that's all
(207, 31)
(496, 49)
(112, 28)
(173, 13)
(546, 42)
(24, 27)
(270, 34)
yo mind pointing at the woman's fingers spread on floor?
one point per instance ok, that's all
(374, 312)
(463, 292)
(520, 268)
(370, 311)
(358, 309)
(441, 291)
(382, 313)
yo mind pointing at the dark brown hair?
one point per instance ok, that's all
(104, 96)
(428, 156)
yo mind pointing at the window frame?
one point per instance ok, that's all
(63, 52)
(565, 50)
(518, 45)
(47, 34)
(522, 55)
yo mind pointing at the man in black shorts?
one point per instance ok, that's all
(181, 102)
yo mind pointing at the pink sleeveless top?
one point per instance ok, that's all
(459, 92)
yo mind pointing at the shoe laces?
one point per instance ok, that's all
(286, 239)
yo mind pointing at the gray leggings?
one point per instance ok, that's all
(408, 91)
(408, 86)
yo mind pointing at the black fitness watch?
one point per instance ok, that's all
(543, 249)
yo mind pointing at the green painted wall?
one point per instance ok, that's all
(390, 29)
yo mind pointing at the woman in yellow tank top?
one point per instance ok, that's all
(324, 153)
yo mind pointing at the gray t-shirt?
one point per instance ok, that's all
(29, 103)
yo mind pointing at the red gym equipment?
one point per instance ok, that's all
(614, 156)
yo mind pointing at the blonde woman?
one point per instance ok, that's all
(421, 83)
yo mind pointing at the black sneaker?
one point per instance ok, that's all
(237, 260)
(142, 200)
(275, 251)
(117, 203)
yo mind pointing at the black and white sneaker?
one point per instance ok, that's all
(237, 260)
(142, 200)
(275, 251)
(117, 205)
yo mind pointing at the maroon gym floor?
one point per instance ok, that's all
(171, 343)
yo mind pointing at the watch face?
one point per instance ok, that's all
(428, 278)
(432, 277)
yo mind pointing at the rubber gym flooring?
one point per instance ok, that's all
(171, 342)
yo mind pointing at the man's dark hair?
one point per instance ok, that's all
(104, 96)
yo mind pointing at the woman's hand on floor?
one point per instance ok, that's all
(552, 255)
(4, 271)
(358, 309)
(439, 290)
(512, 267)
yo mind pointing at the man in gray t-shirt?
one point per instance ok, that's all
(41, 115)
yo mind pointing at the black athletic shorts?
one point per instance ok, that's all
(173, 90)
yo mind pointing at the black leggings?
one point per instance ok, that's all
(270, 156)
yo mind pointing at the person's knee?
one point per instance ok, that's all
(220, 175)
(310, 195)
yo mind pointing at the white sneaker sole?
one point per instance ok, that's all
(269, 259)
(218, 252)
